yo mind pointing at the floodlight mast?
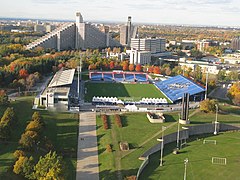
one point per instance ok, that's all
(206, 89)
(215, 124)
(185, 169)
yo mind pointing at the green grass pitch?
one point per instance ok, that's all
(200, 160)
(122, 91)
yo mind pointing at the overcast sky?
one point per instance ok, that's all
(201, 12)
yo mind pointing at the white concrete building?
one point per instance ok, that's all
(139, 57)
(58, 92)
(206, 67)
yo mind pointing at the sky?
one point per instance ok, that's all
(195, 12)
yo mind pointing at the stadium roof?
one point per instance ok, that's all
(62, 77)
(175, 87)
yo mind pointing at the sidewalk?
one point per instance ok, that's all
(87, 155)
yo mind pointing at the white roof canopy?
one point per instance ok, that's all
(62, 77)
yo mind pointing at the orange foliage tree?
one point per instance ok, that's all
(112, 65)
(131, 67)
(138, 68)
(23, 73)
(156, 70)
(150, 69)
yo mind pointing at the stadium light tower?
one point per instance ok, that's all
(185, 169)
(178, 133)
(162, 144)
(215, 124)
(206, 85)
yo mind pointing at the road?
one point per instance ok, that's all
(87, 155)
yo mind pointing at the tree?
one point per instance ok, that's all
(28, 139)
(150, 69)
(23, 73)
(24, 166)
(138, 68)
(3, 98)
(34, 126)
(168, 71)
(131, 67)
(234, 93)
(221, 75)
(208, 105)
(37, 117)
(111, 65)
(18, 153)
(49, 167)
(156, 70)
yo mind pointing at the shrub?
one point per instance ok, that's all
(118, 120)
(130, 178)
(208, 105)
(105, 122)
(109, 148)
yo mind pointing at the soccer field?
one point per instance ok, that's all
(199, 156)
(122, 91)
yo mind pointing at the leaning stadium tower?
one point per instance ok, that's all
(78, 35)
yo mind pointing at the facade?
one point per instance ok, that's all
(139, 57)
(235, 45)
(78, 35)
(204, 44)
(59, 92)
(127, 32)
(206, 67)
(149, 44)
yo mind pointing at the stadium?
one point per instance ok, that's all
(139, 88)
(117, 87)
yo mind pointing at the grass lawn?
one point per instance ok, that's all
(135, 91)
(199, 156)
(61, 129)
(201, 118)
(137, 130)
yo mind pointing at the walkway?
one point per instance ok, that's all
(87, 156)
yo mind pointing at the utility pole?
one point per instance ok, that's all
(162, 144)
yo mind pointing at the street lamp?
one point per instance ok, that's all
(185, 170)
(162, 144)
(215, 124)
(178, 134)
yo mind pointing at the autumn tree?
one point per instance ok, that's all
(29, 139)
(138, 68)
(112, 65)
(49, 166)
(156, 70)
(208, 105)
(24, 166)
(131, 67)
(125, 65)
(234, 93)
(168, 71)
(23, 73)
(3, 98)
(150, 69)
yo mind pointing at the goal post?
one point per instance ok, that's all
(219, 161)
(208, 141)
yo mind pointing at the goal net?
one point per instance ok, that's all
(219, 161)
(208, 141)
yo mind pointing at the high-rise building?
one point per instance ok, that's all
(156, 45)
(235, 45)
(127, 32)
(78, 35)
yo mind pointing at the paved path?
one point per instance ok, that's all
(87, 156)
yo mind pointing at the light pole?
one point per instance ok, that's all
(162, 144)
(215, 124)
(178, 134)
(185, 170)
(206, 85)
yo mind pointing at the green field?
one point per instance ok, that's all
(199, 156)
(138, 132)
(122, 91)
(61, 129)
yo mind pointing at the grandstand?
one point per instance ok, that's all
(175, 87)
(119, 76)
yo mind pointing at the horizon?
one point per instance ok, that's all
(176, 12)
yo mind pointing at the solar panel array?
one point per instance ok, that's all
(62, 77)
(175, 87)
